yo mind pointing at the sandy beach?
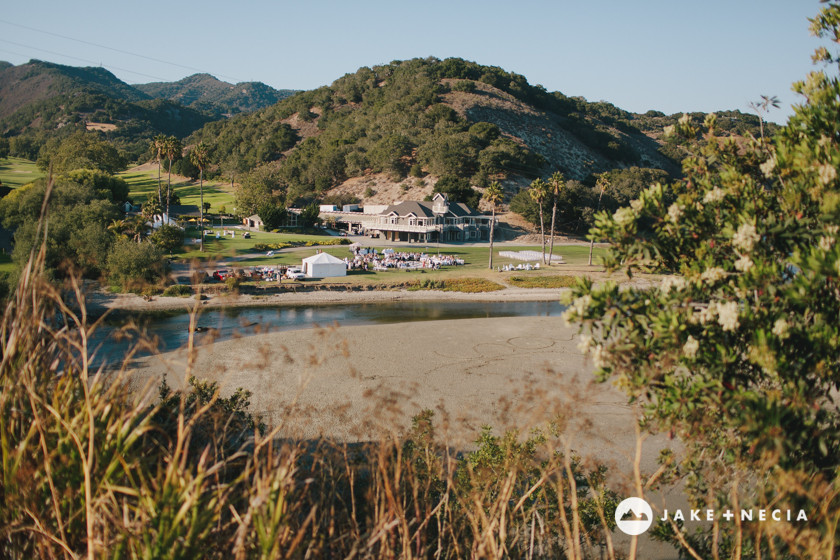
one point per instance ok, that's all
(357, 383)
(354, 383)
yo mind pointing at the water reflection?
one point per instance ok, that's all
(172, 328)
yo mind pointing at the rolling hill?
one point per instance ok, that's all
(415, 122)
(41, 100)
(209, 94)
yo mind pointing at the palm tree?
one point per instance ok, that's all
(556, 184)
(118, 227)
(603, 182)
(159, 146)
(199, 158)
(539, 192)
(493, 194)
(137, 228)
(173, 150)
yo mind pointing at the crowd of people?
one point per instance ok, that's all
(371, 259)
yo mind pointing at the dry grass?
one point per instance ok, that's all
(93, 468)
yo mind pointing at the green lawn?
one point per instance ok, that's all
(475, 263)
(226, 247)
(15, 172)
(144, 184)
(6, 265)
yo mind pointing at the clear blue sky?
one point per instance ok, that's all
(669, 55)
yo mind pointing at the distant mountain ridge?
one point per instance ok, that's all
(208, 93)
(42, 100)
(38, 81)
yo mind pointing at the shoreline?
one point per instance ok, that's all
(100, 302)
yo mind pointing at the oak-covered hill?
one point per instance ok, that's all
(450, 120)
(211, 95)
(40, 101)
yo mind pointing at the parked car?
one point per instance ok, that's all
(295, 274)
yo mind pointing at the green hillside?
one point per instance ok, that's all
(41, 100)
(209, 94)
(450, 118)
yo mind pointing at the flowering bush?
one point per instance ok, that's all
(738, 350)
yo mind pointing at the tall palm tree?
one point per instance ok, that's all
(539, 192)
(173, 151)
(603, 182)
(494, 195)
(556, 184)
(199, 158)
(159, 146)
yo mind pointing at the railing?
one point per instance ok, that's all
(402, 227)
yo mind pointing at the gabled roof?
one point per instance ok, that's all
(419, 209)
(459, 210)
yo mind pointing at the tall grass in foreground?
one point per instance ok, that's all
(92, 469)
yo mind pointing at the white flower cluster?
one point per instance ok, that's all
(826, 243)
(672, 282)
(586, 346)
(781, 328)
(744, 264)
(715, 195)
(768, 166)
(827, 173)
(577, 308)
(690, 347)
(624, 216)
(675, 212)
(746, 237)
(713, 274)
(599, 356)
(728, 315)
(637, 205)
(585, 343)
(707, 313)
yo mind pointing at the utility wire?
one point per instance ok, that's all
(98, 45)
(83, 60)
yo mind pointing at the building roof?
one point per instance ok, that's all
(424, 209)
(419, 209)
(459, 210)
(323, 258)
(182, 209)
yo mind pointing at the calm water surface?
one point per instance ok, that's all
(171, 329)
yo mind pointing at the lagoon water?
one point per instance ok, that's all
(171, 329)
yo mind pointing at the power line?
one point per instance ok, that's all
(112, 49)
(83, 60)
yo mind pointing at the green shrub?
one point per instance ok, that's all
(134, 262)
(178, 290)
(542, 281)
(466, 285)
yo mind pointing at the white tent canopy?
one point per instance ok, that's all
(323, 265)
